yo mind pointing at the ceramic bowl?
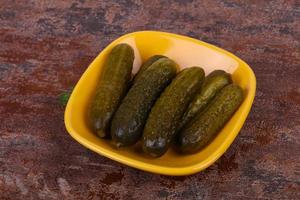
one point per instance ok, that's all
(186, 52)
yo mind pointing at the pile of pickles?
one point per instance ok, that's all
(159, 105)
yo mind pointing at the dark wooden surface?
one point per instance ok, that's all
(47, 45)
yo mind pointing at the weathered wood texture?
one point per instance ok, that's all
(45, 46)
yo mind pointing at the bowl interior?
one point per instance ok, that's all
(186, 52)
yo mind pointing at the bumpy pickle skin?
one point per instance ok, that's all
(203, 129)
(112, 86)
(168, 110)
(130, 118)
(213, 83)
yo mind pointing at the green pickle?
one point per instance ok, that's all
(147, 64)
(130, 118)
(112, 86)
(205, 126)
(213, 83)
(168, 110)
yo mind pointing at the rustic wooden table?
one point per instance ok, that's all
(47, 45)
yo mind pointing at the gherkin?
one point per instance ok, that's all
(167, 112)
(204, 128)
(130, 118)
(112, 86)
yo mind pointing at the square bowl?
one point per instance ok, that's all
(186, 52)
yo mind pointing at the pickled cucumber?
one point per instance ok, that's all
(147, 64)
(213, 83)
(130, 118)
(111, 88)
(201, 130)
(167, 111)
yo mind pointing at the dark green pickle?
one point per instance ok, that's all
(213, 83)
(168, 110)
(112, 86)
(130, 118)
(147, 64)
(203, 129)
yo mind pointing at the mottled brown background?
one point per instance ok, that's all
(45, 46)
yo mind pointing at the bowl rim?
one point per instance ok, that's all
(174, 171)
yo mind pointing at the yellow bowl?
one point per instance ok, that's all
(186, 52)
